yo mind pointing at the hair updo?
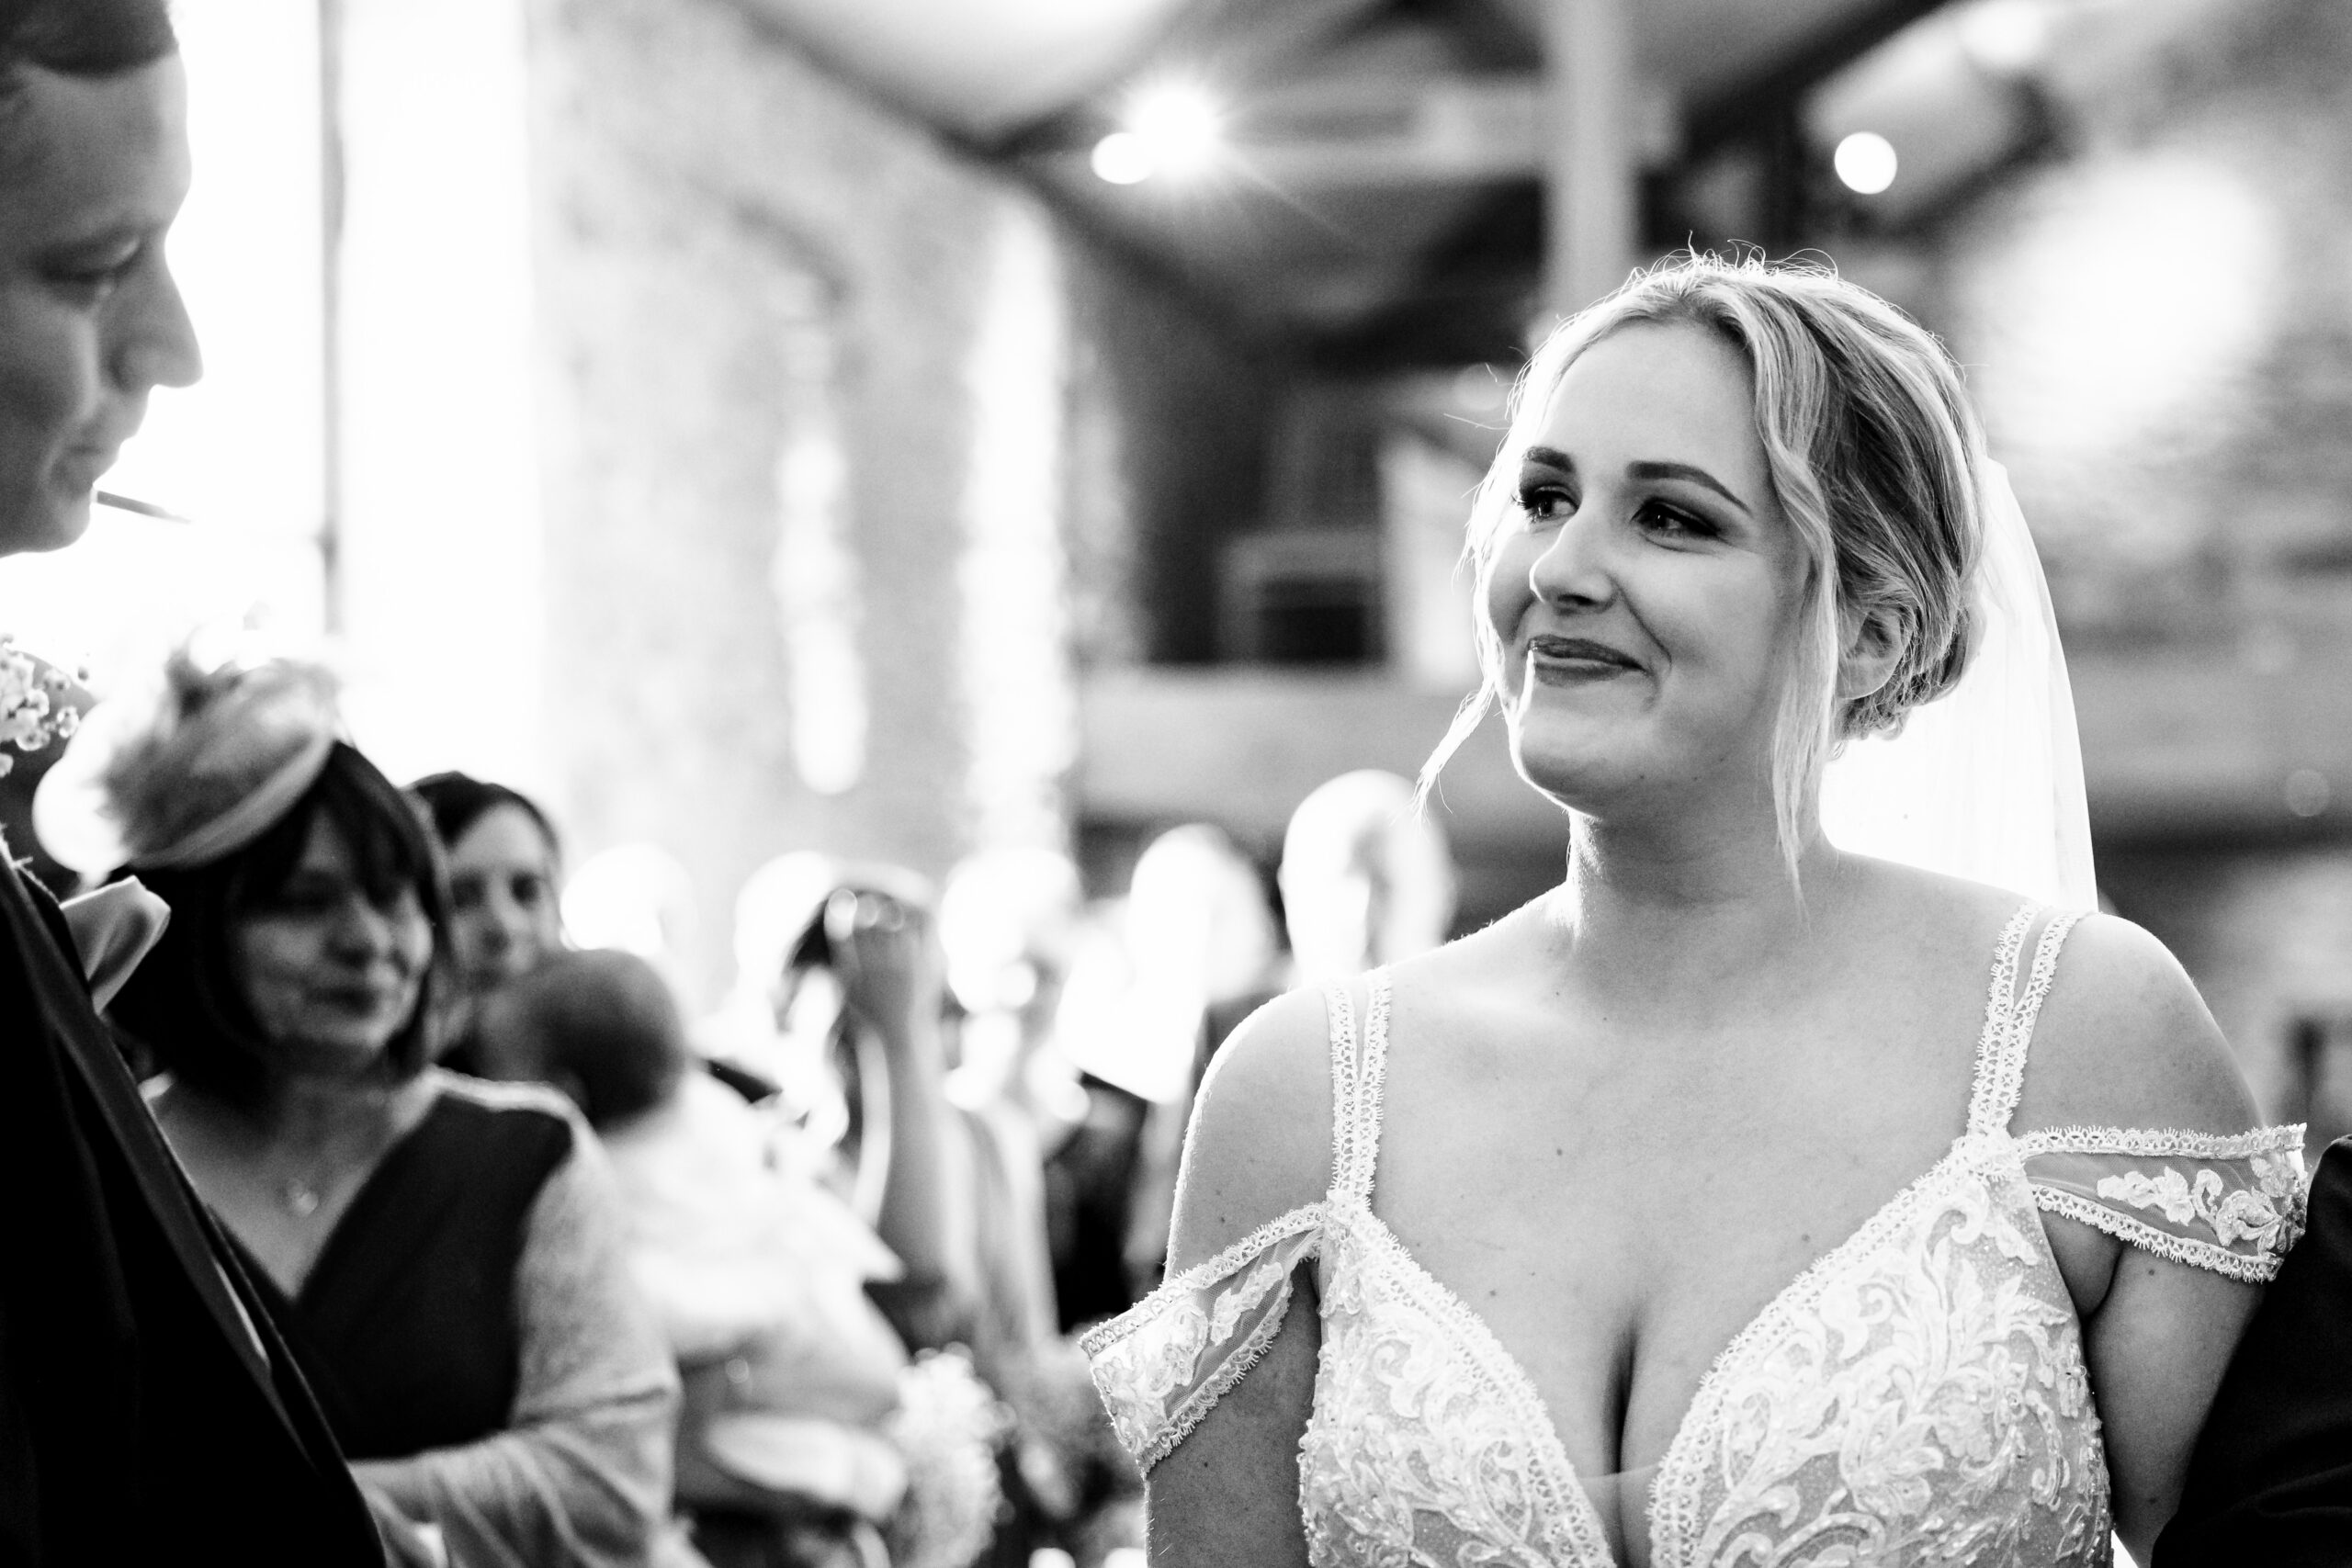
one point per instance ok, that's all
(1872, 450)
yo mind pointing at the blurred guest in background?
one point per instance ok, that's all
(1009, 919)
(148, 1409)
(807, 1435)
(1006, 920)
(843, 1008)
(1366, 878)
(1197, 944)
(505, 879)
(640, 898)
(446, 1257)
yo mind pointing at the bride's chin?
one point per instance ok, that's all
(1575, 773)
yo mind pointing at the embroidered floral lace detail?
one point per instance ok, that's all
(1919, 1395)
(1152, 1365)
(2241, 1215)
(2232, 1204)
(1428, 1444)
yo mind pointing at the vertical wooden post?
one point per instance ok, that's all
(1592, 206)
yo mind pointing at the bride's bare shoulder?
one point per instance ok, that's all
(1259, 1143)
(2125, 1040)
(1927, 909)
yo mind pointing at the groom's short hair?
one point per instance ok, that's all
(76, 38)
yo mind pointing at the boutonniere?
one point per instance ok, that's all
(32, 712)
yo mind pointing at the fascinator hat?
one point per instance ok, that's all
(193, 769)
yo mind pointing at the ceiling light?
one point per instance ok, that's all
(2005, 36)
(1865, 163)
(1121, 158)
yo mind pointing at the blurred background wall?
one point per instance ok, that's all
(901, 426)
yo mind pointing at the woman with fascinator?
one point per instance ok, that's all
(1747, 1198)
(444, 1256)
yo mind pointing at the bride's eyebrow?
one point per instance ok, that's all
(1547, 457)
(1690, 472)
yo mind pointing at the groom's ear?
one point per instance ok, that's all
(1873, 646)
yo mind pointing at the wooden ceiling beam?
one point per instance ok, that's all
(1773, 90)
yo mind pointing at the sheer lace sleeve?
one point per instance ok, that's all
(1162, 1365)
(2231, 1203)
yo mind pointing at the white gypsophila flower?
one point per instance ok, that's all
(946, 1428)
(31, 716)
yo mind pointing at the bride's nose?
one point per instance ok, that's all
(1574, 568)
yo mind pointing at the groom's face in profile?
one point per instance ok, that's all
(93, 170)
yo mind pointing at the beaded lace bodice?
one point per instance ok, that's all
(1918, 1395)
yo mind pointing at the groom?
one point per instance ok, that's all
(148, 1412)
(2271, 1481)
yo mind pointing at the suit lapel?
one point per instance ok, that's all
(64, 1009)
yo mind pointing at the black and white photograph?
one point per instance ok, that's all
(1176, 784)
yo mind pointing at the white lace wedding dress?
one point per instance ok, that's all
(1918, 1395)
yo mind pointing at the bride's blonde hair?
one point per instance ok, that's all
(1872, 450)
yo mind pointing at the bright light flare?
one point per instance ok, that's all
(1172, 129)
(1865, 163)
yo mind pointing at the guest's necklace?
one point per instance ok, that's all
(300, 1198)
(302, 1192)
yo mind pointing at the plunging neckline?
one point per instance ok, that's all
(1994, 1080)
(1485, 1346)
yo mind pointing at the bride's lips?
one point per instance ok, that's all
(1575, 660)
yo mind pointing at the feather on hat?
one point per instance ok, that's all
(192, 771)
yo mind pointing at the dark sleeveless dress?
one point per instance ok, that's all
(406, 1327)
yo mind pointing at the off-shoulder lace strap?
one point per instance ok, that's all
(1161, 1366)
(1358, 1071)
(2232, 1204)
(2009, 1016)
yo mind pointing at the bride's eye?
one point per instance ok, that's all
(1545, 501)
(1676, 522)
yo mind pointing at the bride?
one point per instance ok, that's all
(1743, 1200)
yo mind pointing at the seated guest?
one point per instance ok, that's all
(807, 1435)
(445, 1257)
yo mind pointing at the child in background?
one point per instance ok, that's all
(807, 1436)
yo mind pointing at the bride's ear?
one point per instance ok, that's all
(1874, 648)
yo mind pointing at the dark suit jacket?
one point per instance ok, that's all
(2271, 1481)
(148, 1411)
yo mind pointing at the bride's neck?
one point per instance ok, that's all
(1653, 887)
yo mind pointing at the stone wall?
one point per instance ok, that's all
(2158, 322)
(805, 456)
